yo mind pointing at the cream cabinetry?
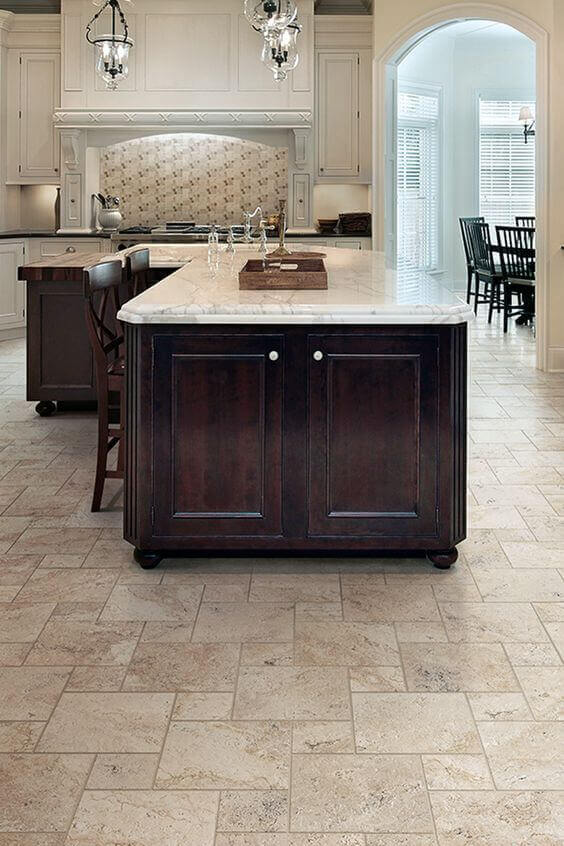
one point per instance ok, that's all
(12, 292)
(343, 99)
(33, 145)
(360, 243)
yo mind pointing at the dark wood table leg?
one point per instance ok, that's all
(443, 559)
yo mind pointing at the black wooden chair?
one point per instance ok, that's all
(526, 222)
(485, 267)
(470, 268)
(516, 249)
(102, 283)
(137, 269)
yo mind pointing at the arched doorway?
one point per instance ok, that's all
(385, 79)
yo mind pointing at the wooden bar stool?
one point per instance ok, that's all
(137, 268)
(102, 284)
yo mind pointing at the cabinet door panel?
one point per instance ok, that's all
(373, 445)
(218, 401)
(338, 120)
(12, 292)
(39, 97)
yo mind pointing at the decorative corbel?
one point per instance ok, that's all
(70, 143)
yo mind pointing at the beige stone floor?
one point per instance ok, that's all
(285, 703)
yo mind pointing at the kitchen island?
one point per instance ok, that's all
(302, 422)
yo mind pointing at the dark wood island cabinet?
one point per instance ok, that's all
(292, 435)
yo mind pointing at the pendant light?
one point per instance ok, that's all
(112, 50)
(270, 14)
(280, 51)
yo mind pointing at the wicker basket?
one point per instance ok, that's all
(355, 223)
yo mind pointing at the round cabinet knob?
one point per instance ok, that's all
(318, 355)
(273, 356)
(70, 250)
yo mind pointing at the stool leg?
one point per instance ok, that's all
(506, 306)
(470, 274)
(102, 460)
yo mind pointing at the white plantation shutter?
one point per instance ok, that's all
(418, 178)
(507, 164)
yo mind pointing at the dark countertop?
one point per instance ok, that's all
(35, 233)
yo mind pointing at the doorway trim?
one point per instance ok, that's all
(388, 60)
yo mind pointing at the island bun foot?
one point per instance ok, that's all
(147, 560)
(443, 559)
(45, 408)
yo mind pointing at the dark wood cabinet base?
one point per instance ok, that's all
(45, 408)
(304, 440)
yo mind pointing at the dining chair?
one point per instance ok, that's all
(485, 267)
(470, 268)
(102, 283)
(526, 222)
(137, 271)
(516, 249)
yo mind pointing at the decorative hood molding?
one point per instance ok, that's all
(183, 120)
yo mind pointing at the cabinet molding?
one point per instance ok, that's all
(338, 114)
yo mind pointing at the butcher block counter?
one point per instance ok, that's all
(302, 422)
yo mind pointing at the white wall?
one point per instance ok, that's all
(467, 60)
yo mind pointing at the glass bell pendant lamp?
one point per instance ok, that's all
(112, 50)
(266, 15)
(280, 50)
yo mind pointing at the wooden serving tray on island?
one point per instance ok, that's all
(283, 274)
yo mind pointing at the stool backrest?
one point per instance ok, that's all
(464, 221)
(516, 246)
(138, 266)
(102, 284)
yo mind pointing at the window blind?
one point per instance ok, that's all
(507, 164)
(418, 178)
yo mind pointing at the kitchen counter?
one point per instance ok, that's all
(360, 288)
(179, 238)
(46, 233)
(295, 422)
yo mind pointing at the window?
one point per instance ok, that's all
(418, 177)
(507, 164)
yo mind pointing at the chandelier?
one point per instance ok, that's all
(112, 50)
(277, 21)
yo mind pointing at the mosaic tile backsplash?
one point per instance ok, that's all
(205, 178)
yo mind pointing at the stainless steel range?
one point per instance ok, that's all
(177, 230)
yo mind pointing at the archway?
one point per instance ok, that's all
(385, 71)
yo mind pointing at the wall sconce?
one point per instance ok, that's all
(527, 118)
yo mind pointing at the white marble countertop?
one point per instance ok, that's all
(360, 290)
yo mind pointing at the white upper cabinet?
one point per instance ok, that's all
(34, 149)
(338, 114)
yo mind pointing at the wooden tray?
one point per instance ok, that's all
(289, 273)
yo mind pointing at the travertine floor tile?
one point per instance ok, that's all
(108, 722)
(535, 585)
(292, 693)
(376, 679)
(96, 679)
(524, 756)
(413, 723)
(51, 541)
(322, 737)
(494, 622)
(70, 643)
(253, 810)
(123, 772)
(19, 737)
(401, 840)
(203, 706)
(30, 693)
(451, 667)
(16, 569)
(457, 772)
(13, 654)
(23, 622)
(183, 666)
(217, 587)
(236, 622)
(40, 792)
(363, 600)
(499, 706)
(226, 756)
(267, 654)
(543, 687)
(144, 818)
(534, 554)
(68, 586)
(329, 793)
(509, 819)
(288, 587)
(157, 603)
(321, 643)
(532, 654)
